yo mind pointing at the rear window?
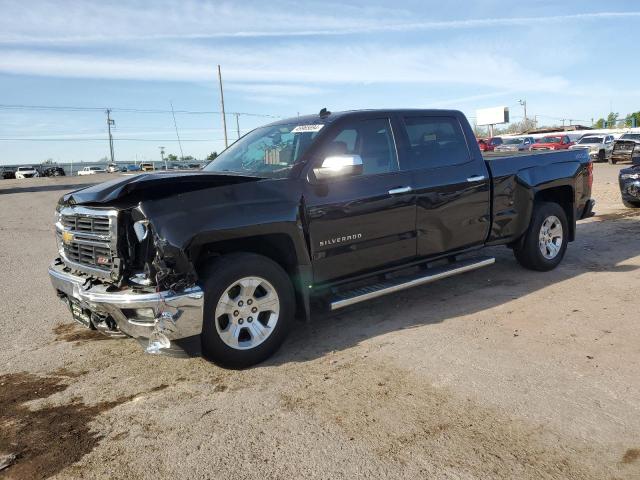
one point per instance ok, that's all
(435, 142)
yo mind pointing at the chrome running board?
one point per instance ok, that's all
(379, 289)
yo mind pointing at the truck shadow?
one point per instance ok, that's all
(593, 252)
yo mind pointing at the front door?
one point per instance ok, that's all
(362, 222)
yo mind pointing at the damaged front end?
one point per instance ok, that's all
(118, 276)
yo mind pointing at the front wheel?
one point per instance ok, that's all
(601, 156)
(545, 242)
(631, 204)
(248, 308)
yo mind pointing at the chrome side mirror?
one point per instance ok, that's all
(338, 166)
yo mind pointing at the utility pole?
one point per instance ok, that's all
(224, 119)
(110, 122)
(162, 157)
(177, 134)
(238, 124)
(524, 104)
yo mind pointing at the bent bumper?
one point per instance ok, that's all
(171, 322)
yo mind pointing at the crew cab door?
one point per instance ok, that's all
(451, 184)
(361, 222)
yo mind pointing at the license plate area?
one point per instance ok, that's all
(80, 315)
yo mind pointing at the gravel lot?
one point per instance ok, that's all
(501, 373)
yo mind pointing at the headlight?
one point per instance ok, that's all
(141, 228)
(630, 176)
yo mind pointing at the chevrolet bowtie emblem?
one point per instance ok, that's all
(67, 237)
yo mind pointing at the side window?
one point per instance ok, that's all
(435, 142)
(372, 140)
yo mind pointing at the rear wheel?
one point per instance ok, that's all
(631, 204)
(248, 308)
(545, 242)
(601, 157)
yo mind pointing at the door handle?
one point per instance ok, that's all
(399, 190)
(475, 178)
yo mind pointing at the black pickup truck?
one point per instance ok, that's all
(320, 211)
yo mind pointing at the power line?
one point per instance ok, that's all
(129, 110)
(115, 140)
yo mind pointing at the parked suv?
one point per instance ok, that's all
(26, 172)
(327, 210)
(598, 146)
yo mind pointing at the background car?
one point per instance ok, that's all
(7, 173)
(489, 144)
(53, 171)
(27, 172)
(147, 167)
(515, 144)
(131, 168)
(599, 146)
(112, 168)
(91, 171)
(624, 148)
(552, 142)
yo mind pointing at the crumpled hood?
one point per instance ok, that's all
(149, 186)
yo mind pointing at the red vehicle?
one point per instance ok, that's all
(489, 144)
(552, 142)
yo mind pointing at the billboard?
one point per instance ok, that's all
(492, 116)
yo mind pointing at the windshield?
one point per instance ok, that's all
(94, 168)
(512, 141)
(24, 169)
(591, 140)
(266, 151)
(550, 140)
(495, 141)
(630, 136)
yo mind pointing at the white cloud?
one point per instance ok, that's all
(55, 22)
(294, 70)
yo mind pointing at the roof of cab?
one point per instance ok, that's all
(333, 116)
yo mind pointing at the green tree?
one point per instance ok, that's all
(600, 123)
(628, 121)
(612, 119)
(172, 158)
(212, 156)
(187, 158)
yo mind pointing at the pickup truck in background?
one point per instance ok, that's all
(324, 210)
(625, 147)
(91, 171)
(598, 146)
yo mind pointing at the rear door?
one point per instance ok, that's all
(359, 223)
(451, 184)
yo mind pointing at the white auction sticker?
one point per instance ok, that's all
(307, 128)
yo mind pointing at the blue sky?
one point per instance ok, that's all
(570, 59)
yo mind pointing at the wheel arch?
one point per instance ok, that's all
(279, 247)
(564, 196)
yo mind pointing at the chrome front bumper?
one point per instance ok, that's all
(176, 318)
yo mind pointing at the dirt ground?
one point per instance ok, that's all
(501, 373)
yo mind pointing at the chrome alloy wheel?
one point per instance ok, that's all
(247, 313)
(550, 237)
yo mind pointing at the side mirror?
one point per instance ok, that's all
(338, 166)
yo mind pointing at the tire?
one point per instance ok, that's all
(630, 204)
(529, 252)
(612, 161)
(252, 323)
(601, 156)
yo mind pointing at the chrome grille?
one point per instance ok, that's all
(87, 240)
